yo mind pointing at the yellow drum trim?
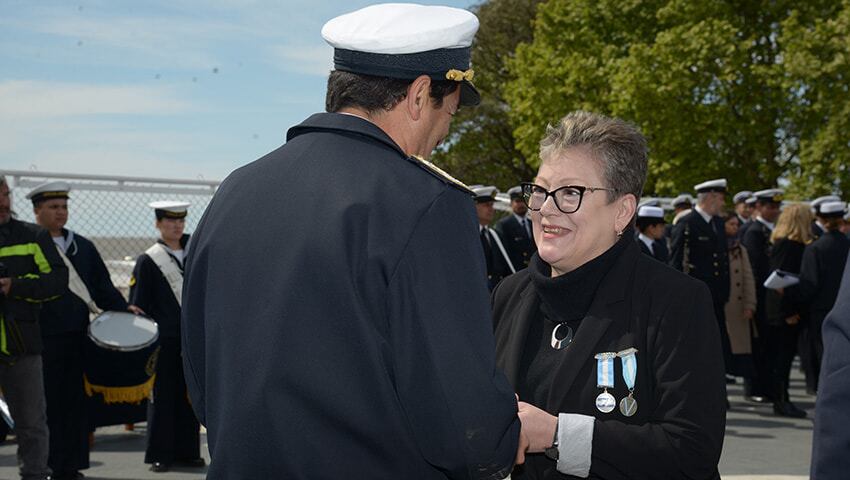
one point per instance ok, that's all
(134, 394)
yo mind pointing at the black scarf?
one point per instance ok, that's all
(567, 298)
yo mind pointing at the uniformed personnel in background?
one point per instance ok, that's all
(173, 435)
(31, 273)
(820, 279)
(515, 230)
(743, 210)
(64, 324)
(818, 227)
(682, 204)
(756, 239)
(650, 225)
(699, 249)
(348, 333)
(495, 255)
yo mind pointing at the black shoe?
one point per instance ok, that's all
(193, 463)
(159, 467)
(788, 409)
(67, 476)
(756, 399)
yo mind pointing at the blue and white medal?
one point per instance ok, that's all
(628, 405)
(605, 402)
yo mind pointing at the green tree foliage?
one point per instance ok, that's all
(754, 91)
(480, 146)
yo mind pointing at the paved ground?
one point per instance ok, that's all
(758, 446)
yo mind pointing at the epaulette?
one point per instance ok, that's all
(440, 173)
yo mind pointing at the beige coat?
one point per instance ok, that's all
(742, 295)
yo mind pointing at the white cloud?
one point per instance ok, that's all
(23, 98)
(310, 60)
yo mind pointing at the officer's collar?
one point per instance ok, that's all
(344, 123)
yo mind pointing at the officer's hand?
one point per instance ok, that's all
(135, 309)
(5, 285)
(793, 320)
(522, 447)
(538, 426)
(748, 314)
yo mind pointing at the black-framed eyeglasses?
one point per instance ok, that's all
(567, 198)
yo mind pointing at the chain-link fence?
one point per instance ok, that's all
(113, 212)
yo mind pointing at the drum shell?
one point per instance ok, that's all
(120, 376)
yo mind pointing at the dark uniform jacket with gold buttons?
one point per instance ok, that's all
(518, 241)
(757, 242)
(677, 431)
(336, 320)
(699, 249)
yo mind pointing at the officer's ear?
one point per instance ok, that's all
(418, 96)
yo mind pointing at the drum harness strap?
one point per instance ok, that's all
(169, 270)
(76, 284)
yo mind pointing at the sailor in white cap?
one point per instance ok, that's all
(515, 230)
(699, 248)
(650, 225)
(64, 323)
(755, 237)
(820, 279)
(157, 287)
(498, 262)
(742, 209)
(373, 274)
(818, 226)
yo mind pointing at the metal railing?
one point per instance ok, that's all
(112, 211)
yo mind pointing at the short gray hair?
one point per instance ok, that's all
(617, 144)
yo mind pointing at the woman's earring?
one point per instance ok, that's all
(619, 234)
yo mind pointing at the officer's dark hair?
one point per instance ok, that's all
(370, 93)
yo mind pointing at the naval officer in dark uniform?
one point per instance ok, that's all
(156, 287)
(364, 347)
(820, 279)
(818, 227)
(515, 230)
(743, 210)
(699, 249)
(650, 225)
(495, 254)
(756, 239)
(64, 323)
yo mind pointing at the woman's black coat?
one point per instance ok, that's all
(677, 432)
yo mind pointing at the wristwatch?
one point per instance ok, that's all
(552, 451)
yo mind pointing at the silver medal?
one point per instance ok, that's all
(628, 406)
(605, 402)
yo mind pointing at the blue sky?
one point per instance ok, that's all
(177, 89)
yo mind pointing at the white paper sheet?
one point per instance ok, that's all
(779, 279)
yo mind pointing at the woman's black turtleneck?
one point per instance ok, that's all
(563, 299)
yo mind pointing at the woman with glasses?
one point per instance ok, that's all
(614, 356)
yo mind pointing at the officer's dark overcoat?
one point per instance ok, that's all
(336, 320)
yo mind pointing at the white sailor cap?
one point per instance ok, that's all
(718, 185)
(816, 203)
(833, 209)
(682, 200)
(49, 191)
(773, 195)
(649, 211)
(404, 41)
(484, 193)
(742, 196)
(515, 192)
(169, 209)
